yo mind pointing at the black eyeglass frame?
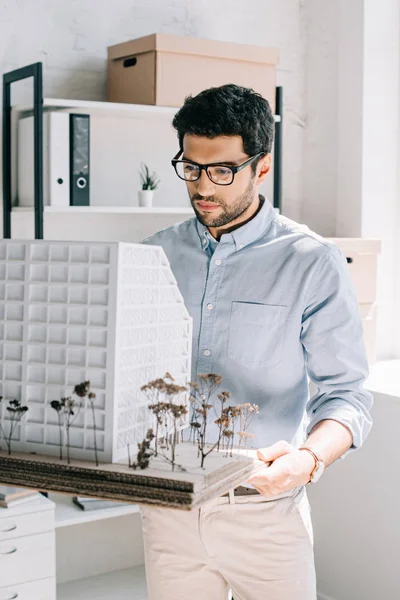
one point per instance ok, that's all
(234, 169)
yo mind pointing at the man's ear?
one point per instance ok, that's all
(263, 168)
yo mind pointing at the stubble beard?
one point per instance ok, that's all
(230, 212)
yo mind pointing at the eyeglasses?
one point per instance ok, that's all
(218, 173)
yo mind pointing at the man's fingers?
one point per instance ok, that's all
(275, 451)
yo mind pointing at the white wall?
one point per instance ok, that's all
(351, 142)
(318, 206)
(368, 110)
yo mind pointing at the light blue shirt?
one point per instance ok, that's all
(273, 305)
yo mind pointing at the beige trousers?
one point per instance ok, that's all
(259, 549)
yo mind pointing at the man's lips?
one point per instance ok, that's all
(207, 206)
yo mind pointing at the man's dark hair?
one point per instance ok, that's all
(228, 110)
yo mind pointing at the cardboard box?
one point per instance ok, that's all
(163, 69)
(362, 260)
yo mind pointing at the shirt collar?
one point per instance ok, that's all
(247, 233)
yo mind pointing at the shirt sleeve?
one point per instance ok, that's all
(333, 341)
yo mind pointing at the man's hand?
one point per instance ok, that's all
(290, 468)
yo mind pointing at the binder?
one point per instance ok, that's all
(66, 153)
(55, 160)
(79, 159)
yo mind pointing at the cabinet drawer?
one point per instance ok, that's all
(42, 589)
(28, 524)
(27, 558)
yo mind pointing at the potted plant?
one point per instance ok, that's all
(149, 182)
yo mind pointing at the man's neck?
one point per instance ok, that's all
(247, 216)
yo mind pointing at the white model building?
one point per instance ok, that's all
(110, 313)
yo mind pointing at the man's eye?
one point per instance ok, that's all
(190, 168)
(222, 171)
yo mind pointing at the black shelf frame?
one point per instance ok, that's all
(277, 194)
(35, 70)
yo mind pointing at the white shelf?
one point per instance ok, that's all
(126, 584)
(112, 109)
(115, 109)
(131, 210)
(67, 513)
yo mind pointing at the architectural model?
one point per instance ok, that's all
(84, 328)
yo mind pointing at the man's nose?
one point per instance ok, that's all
(205, 186)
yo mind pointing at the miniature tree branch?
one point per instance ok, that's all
(153, 389)
(145, 452)
(223, 419)
(200, 399)
(57, 406)
(82, 390)
(65, 409)
(234, 413)
(16, 411)
(247, 413)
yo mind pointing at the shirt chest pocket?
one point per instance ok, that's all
(256, 333)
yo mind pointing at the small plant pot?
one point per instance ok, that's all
(146, 197)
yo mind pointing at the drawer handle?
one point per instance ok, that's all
(12, 528)
(12, 597)
(349, 259)
(10, 551)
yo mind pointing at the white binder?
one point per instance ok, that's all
(56, 160)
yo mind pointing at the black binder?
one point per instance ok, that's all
(79, 140)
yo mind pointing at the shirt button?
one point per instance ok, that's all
(207, 353)
(210, 306)
(218, 262)
(202, 397)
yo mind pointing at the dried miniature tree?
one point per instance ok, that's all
(223, 420)
(153, 389)
(166, 411)
(194, 422)
(16, 411)
(59, 408)
(228, 435)
(247, 414)
(66, 408)
(201, 393)
(233, 413)
(82, 390)
(175, 411)
(144, 454)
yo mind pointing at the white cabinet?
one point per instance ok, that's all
(27, 551)
(50, 544)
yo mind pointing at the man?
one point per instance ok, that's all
(271, 303)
